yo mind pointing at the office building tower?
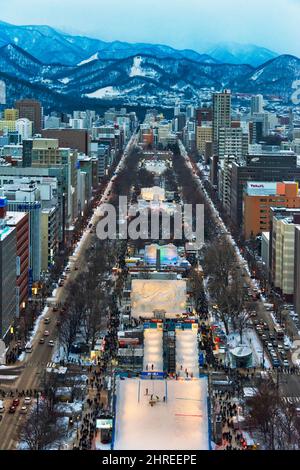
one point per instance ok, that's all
(8, 247)
(257, 104)
(32, 110)
(221, 114)
(20, 220)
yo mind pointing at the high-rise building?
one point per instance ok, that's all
(204, 116)
(8, 248)
(259, 197)
(231, 141)
(203, 135)
(47, 153)
(27, 200)
(282, 249)
(297, 271)
(20, 220)
(221, 114)
(24, 128)
(11, 114)
(32, 110)
(49, 239)
(257, 104)
(78, 139)
(266, 166)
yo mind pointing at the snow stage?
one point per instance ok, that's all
(154, 294)
(178, 423)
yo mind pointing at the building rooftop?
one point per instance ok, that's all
(13, 218)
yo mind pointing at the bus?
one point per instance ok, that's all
(279, 332)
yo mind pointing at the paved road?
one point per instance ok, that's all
(262, 313)
(36, 362)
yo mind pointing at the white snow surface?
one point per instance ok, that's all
(153, 349)
(181, 422)
(90, 59)
(187, 352)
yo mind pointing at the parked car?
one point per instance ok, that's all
(270, 346)
(41, 341)
(46, 333)
(23, 410)
(286, 363)
(16, 402)
(286, 347)
(12, 409)
(51, 343)
(27, 401)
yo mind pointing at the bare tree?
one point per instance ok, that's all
(41, 430)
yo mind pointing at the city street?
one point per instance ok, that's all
(35, 363)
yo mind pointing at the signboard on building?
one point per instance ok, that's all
(130, 352)
(261, 189)
(104, 423)
(2, 352)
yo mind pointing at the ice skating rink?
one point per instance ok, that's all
(177, 422)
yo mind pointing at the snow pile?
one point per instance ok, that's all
(153, 350)
(187, 353)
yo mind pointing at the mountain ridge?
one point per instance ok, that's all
(149, 78)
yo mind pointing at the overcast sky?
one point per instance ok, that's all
(179, 23)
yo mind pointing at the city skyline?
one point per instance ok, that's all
(194, 24)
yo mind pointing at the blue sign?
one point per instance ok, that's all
(201, 359)
(156, 375)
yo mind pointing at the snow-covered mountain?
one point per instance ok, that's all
(234, 53)
(51, 46)
(146, 78)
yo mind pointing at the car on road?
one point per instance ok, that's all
(41, 341)
(270, 346)
(275, 363)
(264, 337)
(275, 343)
(46, 333)
(51, 343)
(27, 401)
(286, 347)
(23, 410)
(266, 327)
(47, 320)
(12, 409)
(16, 402)
(2, 409)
